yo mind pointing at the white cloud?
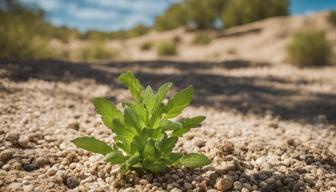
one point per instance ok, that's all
(85, 13)
(47, 5)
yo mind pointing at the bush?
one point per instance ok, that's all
(239, 12)
(145, 133)
(309, 48)
(167, 49)
(173, 17)
(146, 46)
(97, 51)
(202, 39)
(332, 18)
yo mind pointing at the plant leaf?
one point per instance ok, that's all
(162, 92)
(115, 157)
(194, 160)
(167, 145)
(149, 99)
(92, 144)
(170, 125)
(172, 158)
(131, 118)
(124, 134)
(154, 167)
(154, 121)
(105, 108)
(150, 152)
(187, 124)
(178, 102)
(128, 79)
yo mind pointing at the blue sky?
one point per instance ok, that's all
(107, 15)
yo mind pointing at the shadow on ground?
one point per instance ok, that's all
(243, 94)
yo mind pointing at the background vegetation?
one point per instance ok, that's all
(309, 48)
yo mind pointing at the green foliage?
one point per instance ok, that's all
(146, 46)
(174, 16)
(332, 18)
(239, 12)
(202, 39)
(200, 13)
(137, 31)
(309, 48)
(145, 135)
(166, 49)
(97, 51)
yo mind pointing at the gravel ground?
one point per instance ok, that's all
(268, 128)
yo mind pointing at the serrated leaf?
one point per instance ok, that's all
(172, 158)
(166, 145)
(105, 107)
(162, 92)
(194, 160)
(154, 167)
(154, 121)
(122, 133)
(92, 144)
(115, 157)
(149, 99)
(131, 119)
(187, 124)
(150, 152)
(133, 84)
(170, 125)
(178, 102)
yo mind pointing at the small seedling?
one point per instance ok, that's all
(145, 133)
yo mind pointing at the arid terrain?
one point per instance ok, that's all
(268, 127)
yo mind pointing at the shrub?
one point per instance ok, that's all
(202, 39)
(144, 134)
(166, 49)
(239, 12)
(97, 51)
(309, 48)
(173, 17)
(332, 18)
(146, 46)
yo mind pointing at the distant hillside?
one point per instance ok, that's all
(260, 41)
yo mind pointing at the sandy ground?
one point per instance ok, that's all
(268, 127)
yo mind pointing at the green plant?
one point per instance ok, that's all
(202, 39)
(145, 135)
(97, 51)
(146, 46)
(309, 48)
(166, 49)
(332, 18)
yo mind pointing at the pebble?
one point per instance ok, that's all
(225, 183)
(52, 171)
(6, 155)
(41, 161)
(187, 186)
(30, 167)
(28, 188)
(237, 185)
(24, 141)
(12, 137)
(130, 189)
(72, 182)
(200, 143)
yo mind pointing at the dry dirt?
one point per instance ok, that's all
(268, 127)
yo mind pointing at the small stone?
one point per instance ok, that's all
(24, 141)
(290, 142)
(30, 167)
(72, 182)
(143, 182)
(244, 190)
(200, 143)
(187, 186)
(237, 185)
(225, 148)
(74, 125)
(225, 183)
(6, 155)
(309, 180)
(130, 189)
(28, 188)
(41, 161)
(14, 187)
(176, 190)
(16, 166)
(12, 137)
(52, 171)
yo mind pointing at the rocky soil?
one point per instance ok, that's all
(268, 128)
